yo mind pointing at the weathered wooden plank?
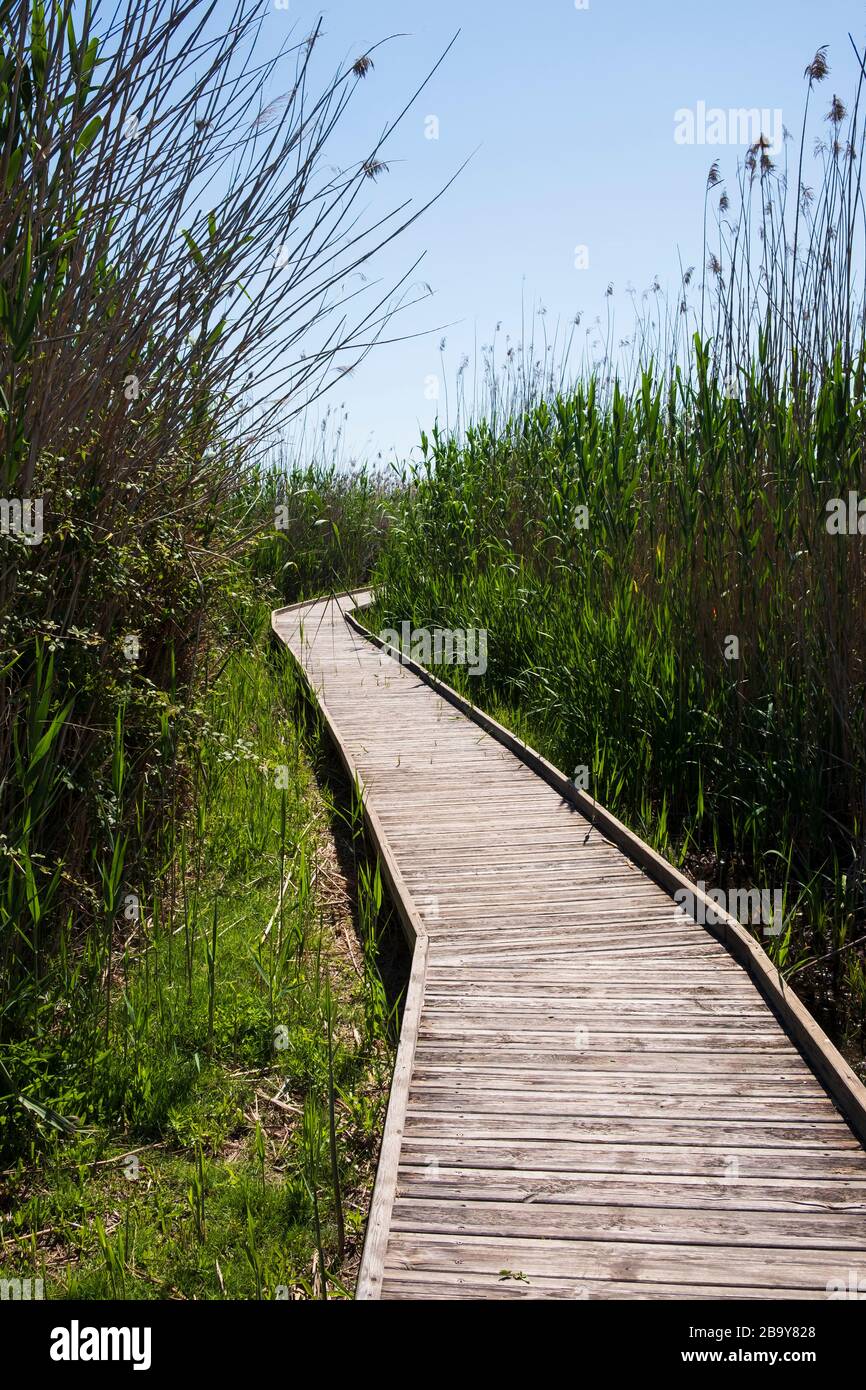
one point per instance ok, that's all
(713, 1193)
(650, 1225)
(640, 1131)
(708, 982)
(583, 1101)
(578, 1038)
(433, 1284)
(729, 1266)
(698, 1061)
(502, 1009)
(569, 1017)
(576, 1157)
(623, 1081)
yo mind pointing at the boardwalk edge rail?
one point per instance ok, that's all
(838, 1078)
(372, 1266)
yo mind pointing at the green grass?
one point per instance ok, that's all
(183, 1147)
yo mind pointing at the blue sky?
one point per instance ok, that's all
(569, 117)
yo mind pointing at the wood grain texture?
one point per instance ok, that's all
(595, 1096)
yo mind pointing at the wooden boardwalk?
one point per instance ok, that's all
(594, 1096)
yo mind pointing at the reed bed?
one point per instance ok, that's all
(672, 610)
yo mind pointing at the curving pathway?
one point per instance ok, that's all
(594, 1097)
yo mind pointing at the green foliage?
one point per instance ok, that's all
(322, 528)
(240, 1068)
(608, 627)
